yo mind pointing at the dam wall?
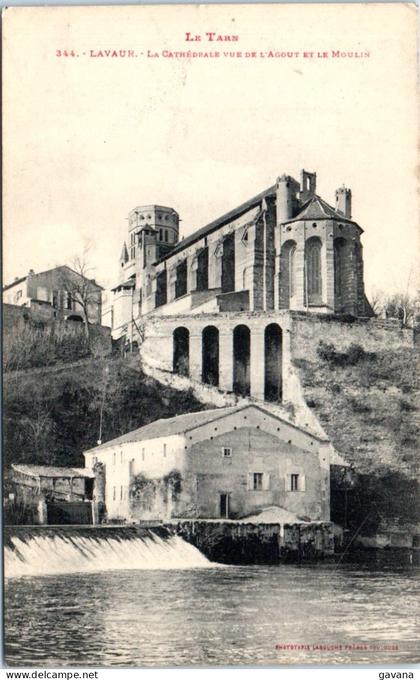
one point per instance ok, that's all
(243, 543)
(152, 545)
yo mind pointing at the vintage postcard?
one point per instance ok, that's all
(210, 304)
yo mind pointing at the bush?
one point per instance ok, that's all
(354, 354)
(326, 351)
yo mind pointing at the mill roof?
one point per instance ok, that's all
(165, 427)
(51, 471)
(168, 426)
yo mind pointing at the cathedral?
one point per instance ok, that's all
(285, 248)
(219, 307)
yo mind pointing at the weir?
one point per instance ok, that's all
(186, 544)
(50, 550)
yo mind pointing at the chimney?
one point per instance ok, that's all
(343, 201)
(307, 185)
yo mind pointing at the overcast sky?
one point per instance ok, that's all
(87, 139)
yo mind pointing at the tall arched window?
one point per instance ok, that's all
(339, 246)
(313, 271)
(291, 268)
(287, 278)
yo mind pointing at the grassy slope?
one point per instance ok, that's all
(368, 408)
(368, 405)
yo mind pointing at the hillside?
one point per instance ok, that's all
(53, 416)
(368, 404)
(366, 401)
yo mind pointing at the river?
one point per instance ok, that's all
(213, 615)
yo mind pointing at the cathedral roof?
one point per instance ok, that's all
(318, 209)
(221, 221)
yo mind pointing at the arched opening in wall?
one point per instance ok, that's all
(228, 264)
(273, 363)
(339, 262)
(203, 269)
(75, 317)
(181, 356)
(287, 273)
(161, 288)
(210, 350)
(241, 360)
(313, 272)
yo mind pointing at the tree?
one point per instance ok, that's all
(377, 301)
(403, 306)
(82, 290)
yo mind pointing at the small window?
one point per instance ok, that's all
(164, 450)
(121, 456)
(227, 452)
(114, 493)
(121, 493)
(160, 234)
(94, 460)
(142, 454)
(294, 482)
(115, 458)
(257, 481)
(166, 236)
(18, 295)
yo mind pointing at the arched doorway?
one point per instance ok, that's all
(241, 360)
(210, 350)
(181, 356)
(273, 363)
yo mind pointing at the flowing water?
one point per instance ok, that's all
(155, 602)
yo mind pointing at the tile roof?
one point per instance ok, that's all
(46, 271)
(188, 421)
(15, 282)
(51, 471)
(168, 426)
(221, 221)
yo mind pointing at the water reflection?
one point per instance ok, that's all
(231, 615)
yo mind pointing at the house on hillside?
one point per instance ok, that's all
(223, 463)
(56, 294)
